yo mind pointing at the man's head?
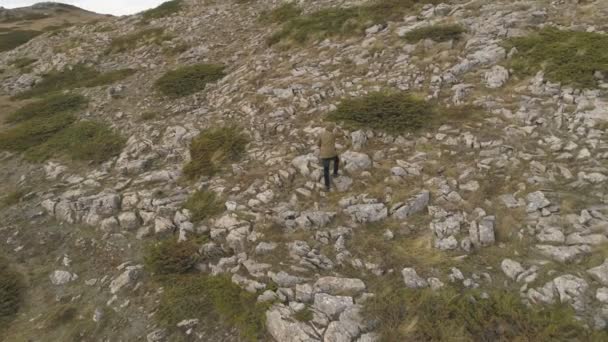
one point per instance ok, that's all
(330, 127)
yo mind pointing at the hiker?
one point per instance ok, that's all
(327, 145)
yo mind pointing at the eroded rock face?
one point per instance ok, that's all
(282, 327)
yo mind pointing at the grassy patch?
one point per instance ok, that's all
(213, 149)
(281, 14)
(11, 198)
(447, 315)
(164, 10)
(305, 315)
(214, 299)
(12, 290)
(48, 107)
(438, 33)
(203, 204)
(79, 76)
(569, 57)
(189, 80)
(342, 21)
(397, 112)
(21, 63)
(12, 39)
(169, 256)
(133, 40)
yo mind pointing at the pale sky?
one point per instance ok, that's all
(116, 7)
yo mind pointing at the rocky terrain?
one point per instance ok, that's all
(512, 196)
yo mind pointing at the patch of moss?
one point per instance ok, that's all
(163, 10)
(13, 39)
(79, 76)
(189, 80)
(12, 290)
(213, 149)
(568, 57)
(212, 298)
(438, 33)
(133, 40)
(447, 315)
(169, 256)
(203, 204)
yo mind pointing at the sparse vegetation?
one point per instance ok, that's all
(342, 21)
(21, 63)
(438, 33)
(48, 107)
(11, 198)
(447, 315)
(169, 256)
(189, 80)
(569, 57)
(305, 315)
(12, 290)
(281, 14)
(133, 40)
(163, 10)
(203, 204)
(79, 76)
(213, 148)
(212, 298)
(12, 39)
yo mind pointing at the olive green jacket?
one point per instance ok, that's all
(327, 144)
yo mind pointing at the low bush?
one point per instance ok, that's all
(134, 40)
(170, 256)
(12, 289)
(438, 33)
(281, 14)
(50, 106)
(79, 76)
(342, 21)
(568, 57)
(164, 10)
(203, 204)
(213, 148)
(447, 315)
(12, 39)
(213, 299)
(189, 80)
(31, 133)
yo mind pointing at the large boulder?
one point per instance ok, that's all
(282, 327)
(415, 204)
(364, 213)
(355, 161)
(340, 286)
(600, 273)
(412, 279)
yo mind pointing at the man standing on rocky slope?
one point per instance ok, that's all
(327, 146)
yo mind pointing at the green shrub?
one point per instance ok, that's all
(133, 40)
(213, 148)
(343, 21)
(48, 107)
(164, 10)
(12, 39)
(12, 289)
(391, 112)
(203, 204)
(169, 256)
(438, 33)
(31, 133)
(79, 76)
(568, 57)
(446, 315)
(214, 299)
(189, 80)
(84, 140)
(281, 14)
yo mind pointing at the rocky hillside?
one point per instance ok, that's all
(160, 177)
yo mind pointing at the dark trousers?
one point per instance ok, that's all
(326, 162)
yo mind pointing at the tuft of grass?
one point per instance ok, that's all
(163, 10)
(213, 298)
(21, 63)
(568, 57)
(447, 315)
(29, 134)
(48, 107)
(133, 40)
(212, 149)
(203, 204)
(13, 39)
(438, 33)
(169, 256)
(305, 315)
(281, 14)
(84, 140)
(189, 80)
(79, 76)
(12, 290)
(12, 198)
(342, 21)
